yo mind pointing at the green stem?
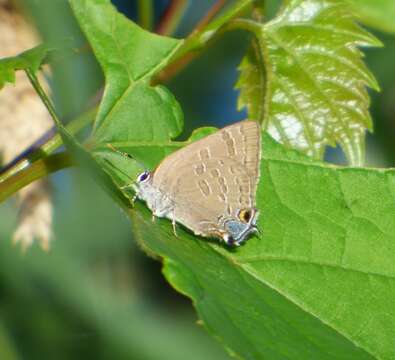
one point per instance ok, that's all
(206, 31)
(75, 126)
(244, 24)
(43, 96)
(211, 13)
(145, 10)
(37, 166)
(42, 167)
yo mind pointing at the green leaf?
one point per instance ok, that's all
(318, 284)
(131, 110)
(154, 112)
(30, 59)
(379, 14)
(129, 57)
(90, 163)
(316, 81)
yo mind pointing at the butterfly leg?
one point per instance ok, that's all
(258, 232)
(127, 187)
(173, 222)
(134, 198)
(113, 148)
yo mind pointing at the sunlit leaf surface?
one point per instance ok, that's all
(316, 81)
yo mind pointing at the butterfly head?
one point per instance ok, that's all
(147, 191)
(143, 182)
(143, 177)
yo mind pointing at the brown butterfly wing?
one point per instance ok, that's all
(213, 177)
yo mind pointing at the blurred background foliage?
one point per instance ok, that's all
(96, 294)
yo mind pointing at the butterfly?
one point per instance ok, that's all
(210, 185)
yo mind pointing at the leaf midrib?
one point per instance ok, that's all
(145, 77)
(258, 277)
(256, 259)
(313, 80)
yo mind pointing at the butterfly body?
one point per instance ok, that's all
(210, 185)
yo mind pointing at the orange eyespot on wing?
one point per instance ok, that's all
(245, 215)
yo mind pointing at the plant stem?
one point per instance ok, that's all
(18, 176)
(37, 170)
(214, 10)
(172, 17)
(43, 96)
(244, 24)
(49, 146)
(204, 32)
(145, 9)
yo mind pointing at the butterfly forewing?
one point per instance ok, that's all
(240, 141)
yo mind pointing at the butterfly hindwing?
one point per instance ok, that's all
(213, 177)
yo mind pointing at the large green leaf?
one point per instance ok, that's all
(318, 284)
(315, 92)
(129, 57)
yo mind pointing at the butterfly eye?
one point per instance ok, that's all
(143, 176)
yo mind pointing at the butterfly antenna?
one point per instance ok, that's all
(125, 154)
(122, 172)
